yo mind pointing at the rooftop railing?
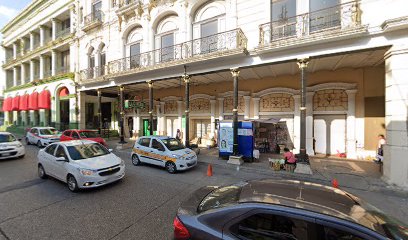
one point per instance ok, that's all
(343, 16)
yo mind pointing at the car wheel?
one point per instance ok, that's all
(135, 160)
(41, 172)
(21, 156)
(72, 183)
(171, 167)
(39, 144)
(27, 141)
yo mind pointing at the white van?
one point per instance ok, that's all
(163, 151)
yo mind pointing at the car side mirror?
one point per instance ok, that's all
(61, 159)
(110, 150)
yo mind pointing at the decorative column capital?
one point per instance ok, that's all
(235, 72)
(303, 62)
(99, 92)
(121, 88)
(186, 78)
(351, 92)
(150, 83)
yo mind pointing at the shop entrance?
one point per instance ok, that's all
(106, 109)
(329, 133)
(146, 128)
(64, 114)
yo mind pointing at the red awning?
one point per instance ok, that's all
(24, 103)
(64, 92)
(44, 100)
(15, 104)
(7, 104)
(33, 101)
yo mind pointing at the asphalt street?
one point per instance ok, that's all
(141, 206)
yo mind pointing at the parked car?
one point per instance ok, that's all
(271, 209)
(80, 164)
(42, 136)
(10, 146)
(163, 151)
(74, 134)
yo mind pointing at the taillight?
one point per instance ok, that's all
(180, 231)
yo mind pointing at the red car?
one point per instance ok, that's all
(69, 135)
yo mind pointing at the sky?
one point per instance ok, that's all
(10, 8)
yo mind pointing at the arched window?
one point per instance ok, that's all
(133, 46)
(166, 38)
(102, 59)
(208, 21)
(91, 62)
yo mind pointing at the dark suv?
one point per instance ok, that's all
(270, 209)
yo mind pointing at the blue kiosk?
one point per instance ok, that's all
(245, 139)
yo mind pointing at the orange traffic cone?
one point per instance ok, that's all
(335, 183)
(209, 170)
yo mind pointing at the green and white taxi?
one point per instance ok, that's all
(163, 151)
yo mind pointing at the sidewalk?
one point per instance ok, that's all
(352, 174)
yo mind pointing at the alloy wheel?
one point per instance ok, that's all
(135, 160)
(72, 183)
(171, 167)
(39, 144)
(41, 172)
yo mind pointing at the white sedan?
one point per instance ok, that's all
(10, 147)
(80, 164)
(42, 136)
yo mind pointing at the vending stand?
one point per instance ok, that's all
(245, 139)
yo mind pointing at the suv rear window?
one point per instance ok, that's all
(144, 142)
(221, 197)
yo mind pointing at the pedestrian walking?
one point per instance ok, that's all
(380, 149)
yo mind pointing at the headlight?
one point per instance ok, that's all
(87, 172)
(178, 157)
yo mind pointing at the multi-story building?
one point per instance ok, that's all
(39, 65)
(162, 53)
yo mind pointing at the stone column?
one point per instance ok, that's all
(53, 63)
(159, 117)
(15, 118)
(136, 124)
(81, 106)
(256, 107)
(212, 132)
(163, 119)
(396, 115)
(296, 125)
(247, 100)
(42, 66)
(22, 74)
(351, 146)
(42, 117)
(32, 118)
(32, 70)
(151, 102)
(42, 36)
(24, 118)
(73, 18)
(186, 79)
(15, 76)
(309, 123)
(221, 108)
(122, 115)
(6, 118)
(32, 37)
(99, 111)
(14, 50)
(55, 28)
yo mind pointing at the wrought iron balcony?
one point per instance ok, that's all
(47, 73)
(93, 72)
(343, 18)
(62, 70)
(36, 44)
(216, 45)
(127, 7)
(36, 76)
(63, 33)
(93, 20)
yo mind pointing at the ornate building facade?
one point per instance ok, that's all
(352, 55)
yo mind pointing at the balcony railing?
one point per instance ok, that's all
(92, 20)
(344, 16)
(36, 44)
(47, 73)
(125, 3)
(36, 76)
(9, 58)
(230, 40)
(63, 32)
(93, 72)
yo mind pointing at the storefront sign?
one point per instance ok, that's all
(135, 104)
(226, 139)
(244, 132)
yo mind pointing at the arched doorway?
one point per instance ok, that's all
(64, 111)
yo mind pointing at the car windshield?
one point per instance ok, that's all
(88, 134)
(221, 197)
(7, 138)
(48, 131)
(173, 144)
(87, 150)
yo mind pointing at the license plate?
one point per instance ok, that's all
(5, 154)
